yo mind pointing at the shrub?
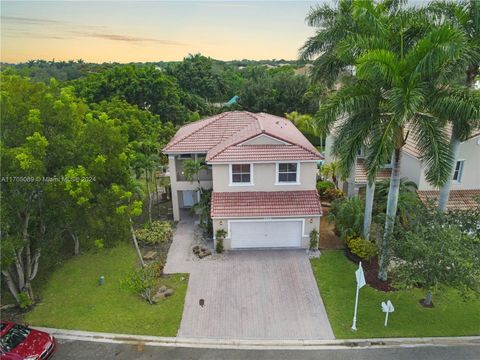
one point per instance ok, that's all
(347, 214)
(25, 301)
(313, 240)
(99, 244)
(156, 233)
(323, 186)
(143, 281)
(364, 249)
(220, 236)
(333, 194)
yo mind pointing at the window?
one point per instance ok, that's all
(287, 173)
(14, 337)
(457, 174)
(241, 174)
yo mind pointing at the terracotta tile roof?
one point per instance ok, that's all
(202, 135)
(458, 199)
(265, 203)
(264, 153)
(221, 137)
(361, 174)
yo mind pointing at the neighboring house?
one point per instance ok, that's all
(263, 174)
(465, 190)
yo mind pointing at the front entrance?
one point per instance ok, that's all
(265, 233)
(188, 198)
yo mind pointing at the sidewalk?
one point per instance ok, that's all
(260, 344)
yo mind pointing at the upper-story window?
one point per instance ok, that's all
(288, 173)
(241, 174)
(457, 174)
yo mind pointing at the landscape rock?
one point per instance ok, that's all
(150, 255)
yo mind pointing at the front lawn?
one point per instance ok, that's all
(335, 276)
(72, 298)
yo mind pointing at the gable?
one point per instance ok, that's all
(264, 140)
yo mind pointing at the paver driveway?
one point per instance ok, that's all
(264, 294)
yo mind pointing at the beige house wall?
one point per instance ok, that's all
(469, 151)
(305, 242)
(263, 140)
(264, 178)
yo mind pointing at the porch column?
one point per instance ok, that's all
(173, 184)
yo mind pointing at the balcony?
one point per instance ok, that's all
(203, 175)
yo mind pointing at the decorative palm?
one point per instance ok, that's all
(399, 92)
(465, 16)
(334, 23)
(191, 168)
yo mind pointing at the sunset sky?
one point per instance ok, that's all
(125, 31)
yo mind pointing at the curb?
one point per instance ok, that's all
(293, 344)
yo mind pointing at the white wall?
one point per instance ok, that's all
(264, 178)
(410, 168)
(470, 152)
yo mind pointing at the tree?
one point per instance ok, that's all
(398, 92)
(144, 86)
(330, 170)
(464, 15)
(196, 75)
(129, 207)
(347, 214)
(432, 255)
(334, 24)
(191, 170)
(407, 198)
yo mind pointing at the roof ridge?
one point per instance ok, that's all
(213, 120)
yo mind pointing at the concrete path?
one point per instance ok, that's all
(266, 294)
(179, 255)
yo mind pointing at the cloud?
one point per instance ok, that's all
(27, 20)
(43, 29)
(126, 38)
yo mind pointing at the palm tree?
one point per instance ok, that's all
(335, 45)
(464, 15)
(400, 84)
(191, 169)
(334, 23)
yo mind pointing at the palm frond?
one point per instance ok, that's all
(434, 146)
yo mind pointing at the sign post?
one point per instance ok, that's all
(360, 283)
(387, 308)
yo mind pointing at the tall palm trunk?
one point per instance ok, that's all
(445, 189)
(392, 203)
(351, 180)
(367, 218)
(444, 194)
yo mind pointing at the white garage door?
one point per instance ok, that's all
(265, 234)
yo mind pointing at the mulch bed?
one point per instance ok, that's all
(370, 269)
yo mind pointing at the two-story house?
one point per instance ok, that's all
(262, 172)
(465, 189)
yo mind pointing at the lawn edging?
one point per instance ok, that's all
(148, 340)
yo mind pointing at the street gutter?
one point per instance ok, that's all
(300, 344)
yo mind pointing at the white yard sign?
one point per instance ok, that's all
(387, 308)
(360, 283)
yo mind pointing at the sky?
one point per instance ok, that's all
(137, 31)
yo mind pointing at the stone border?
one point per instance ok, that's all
(260, 344)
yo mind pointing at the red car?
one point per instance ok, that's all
(20, 342)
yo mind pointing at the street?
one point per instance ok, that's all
(85, 350)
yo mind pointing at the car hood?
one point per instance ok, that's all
(35, 343)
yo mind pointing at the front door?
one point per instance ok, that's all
(188, 197)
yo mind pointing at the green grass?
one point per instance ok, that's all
(451, 316)
(72, 299)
